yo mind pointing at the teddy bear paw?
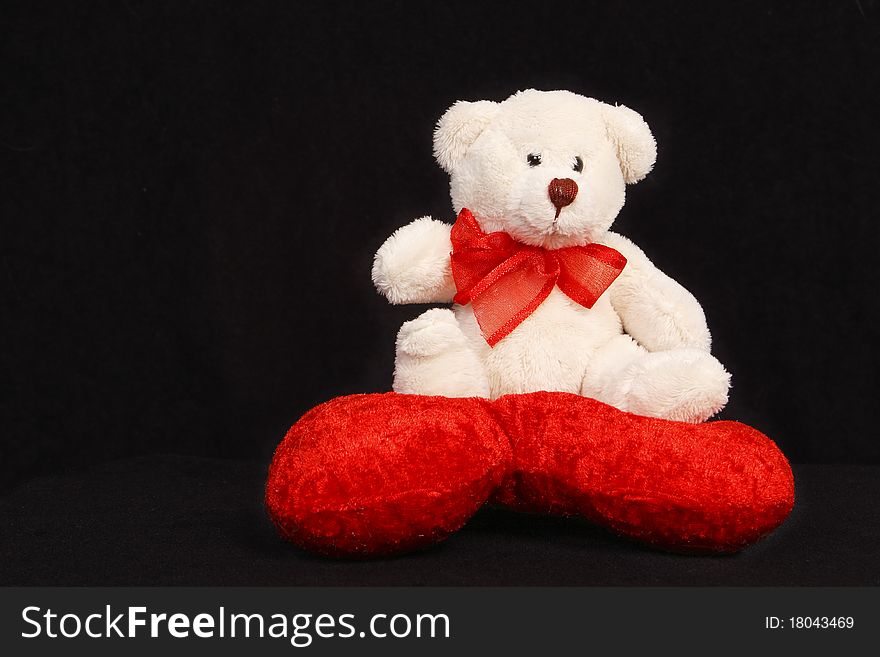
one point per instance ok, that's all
(688, 385)
(430, 334)
(435, 358)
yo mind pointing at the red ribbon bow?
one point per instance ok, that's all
(505, 281)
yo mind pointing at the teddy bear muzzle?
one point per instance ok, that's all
(562, 192)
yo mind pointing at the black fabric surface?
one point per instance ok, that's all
(191, 194)
(200, 521)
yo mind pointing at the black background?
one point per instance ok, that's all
(191, 195)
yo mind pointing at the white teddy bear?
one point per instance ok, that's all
(549, 170)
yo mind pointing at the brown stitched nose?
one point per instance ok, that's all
(562, 192)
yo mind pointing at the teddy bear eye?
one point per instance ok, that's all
(533, 159)
(578, 164)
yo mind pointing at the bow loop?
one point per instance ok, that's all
(505, 281)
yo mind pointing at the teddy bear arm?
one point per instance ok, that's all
(655, 309)
(413, 265)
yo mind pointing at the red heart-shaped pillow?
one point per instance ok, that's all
(386, 473)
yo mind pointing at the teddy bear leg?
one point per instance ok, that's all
(688, 385)
(434, 358)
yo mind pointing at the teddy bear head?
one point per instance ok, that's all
(547, 167)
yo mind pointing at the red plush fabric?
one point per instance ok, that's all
(716, 486)
(380, 474)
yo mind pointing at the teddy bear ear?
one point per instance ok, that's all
(631, 136)
(458, 128)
